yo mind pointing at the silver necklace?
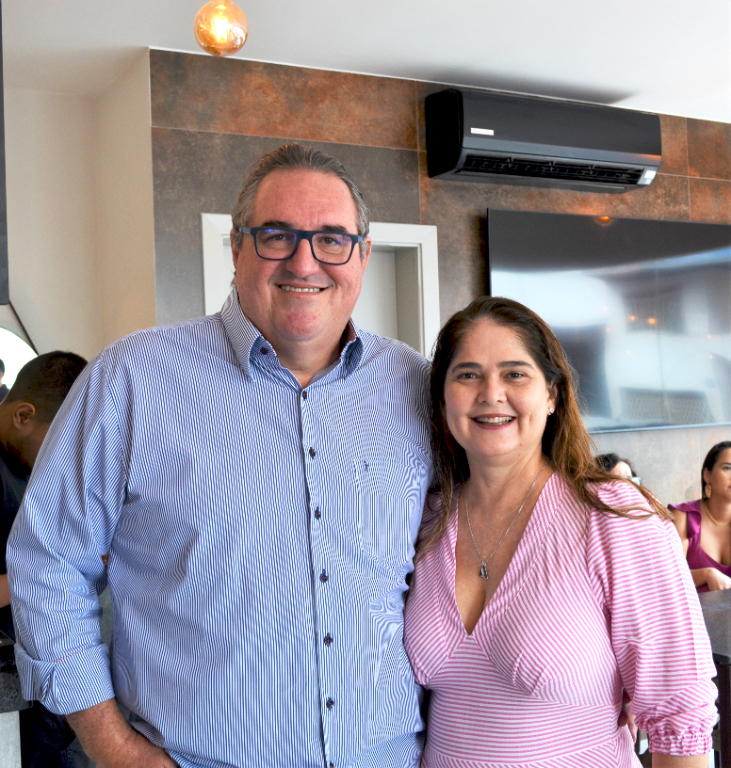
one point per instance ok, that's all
(483, 568)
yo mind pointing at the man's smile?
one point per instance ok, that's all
(296, 289)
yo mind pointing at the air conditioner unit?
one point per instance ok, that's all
(490, 137)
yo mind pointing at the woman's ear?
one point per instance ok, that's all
(552, 396)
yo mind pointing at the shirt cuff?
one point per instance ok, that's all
(76, 682)
(688, 744)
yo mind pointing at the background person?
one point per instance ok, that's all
(25, 416)
(532, 606)
(704, 525)
(259, 529)
(612, 464)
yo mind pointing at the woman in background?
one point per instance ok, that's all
(704, 525)
(533, 606)
(612, 464)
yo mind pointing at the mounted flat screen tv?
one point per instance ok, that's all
(641, 307)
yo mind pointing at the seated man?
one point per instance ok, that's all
(25, 416)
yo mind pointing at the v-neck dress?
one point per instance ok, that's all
(590, 605)
(696, 556)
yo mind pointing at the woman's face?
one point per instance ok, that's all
(496, 398)
(719, 478)
(621, 469)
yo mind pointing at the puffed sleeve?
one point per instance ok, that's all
(64, 526)
(655, 623)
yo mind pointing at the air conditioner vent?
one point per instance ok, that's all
(549, 169)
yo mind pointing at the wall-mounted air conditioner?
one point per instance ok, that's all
(490, 137)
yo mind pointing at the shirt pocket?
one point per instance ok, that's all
(390, 501)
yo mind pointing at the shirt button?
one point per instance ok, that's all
(323, 577)
(329, 703)
(328, 639)
(312, 452)
(331, 765)
(304, 394)
(264, 351)
(318, 514)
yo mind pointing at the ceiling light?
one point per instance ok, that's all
(221, 28)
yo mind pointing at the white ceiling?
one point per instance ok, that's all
(668, 56)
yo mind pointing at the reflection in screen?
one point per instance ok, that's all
(650, 339)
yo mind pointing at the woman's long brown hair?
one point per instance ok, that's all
(566, 442)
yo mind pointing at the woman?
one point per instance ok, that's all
(612, 464)
(533, 606)
(705, 525)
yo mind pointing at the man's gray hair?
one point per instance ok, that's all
(292, 157)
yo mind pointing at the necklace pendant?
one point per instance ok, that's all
(483, 572)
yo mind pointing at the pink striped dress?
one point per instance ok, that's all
(589, 605)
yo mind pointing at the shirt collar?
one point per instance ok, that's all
(245, 337)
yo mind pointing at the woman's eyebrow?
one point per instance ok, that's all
(467, 366)
(516, 364)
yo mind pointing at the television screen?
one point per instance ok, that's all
(642, 309)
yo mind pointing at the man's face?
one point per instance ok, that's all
(300, 302)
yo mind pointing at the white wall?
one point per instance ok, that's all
(52, 223)
(126, 207)
(80, 213)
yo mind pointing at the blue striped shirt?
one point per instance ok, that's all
(259, 537)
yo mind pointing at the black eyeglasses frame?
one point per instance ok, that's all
(303, 234)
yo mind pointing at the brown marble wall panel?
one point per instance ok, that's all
(674, 134)
(228, 111)
(198, 172)
(709, 149)
(710, 200)
(203, 93)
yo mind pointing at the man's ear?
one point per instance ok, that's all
(234, 250)
(365, 253)
(24, 417)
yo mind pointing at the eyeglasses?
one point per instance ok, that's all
(278, 244)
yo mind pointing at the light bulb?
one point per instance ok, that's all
(221, 28)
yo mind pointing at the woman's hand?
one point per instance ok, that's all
(716, 580)
(626, 717)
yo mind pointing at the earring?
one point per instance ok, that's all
(551, 410)
(709, 491)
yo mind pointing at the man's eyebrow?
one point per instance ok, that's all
(287, 225)
(278, 224)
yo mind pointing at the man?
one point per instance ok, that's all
(25, 416)
(259, 529)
